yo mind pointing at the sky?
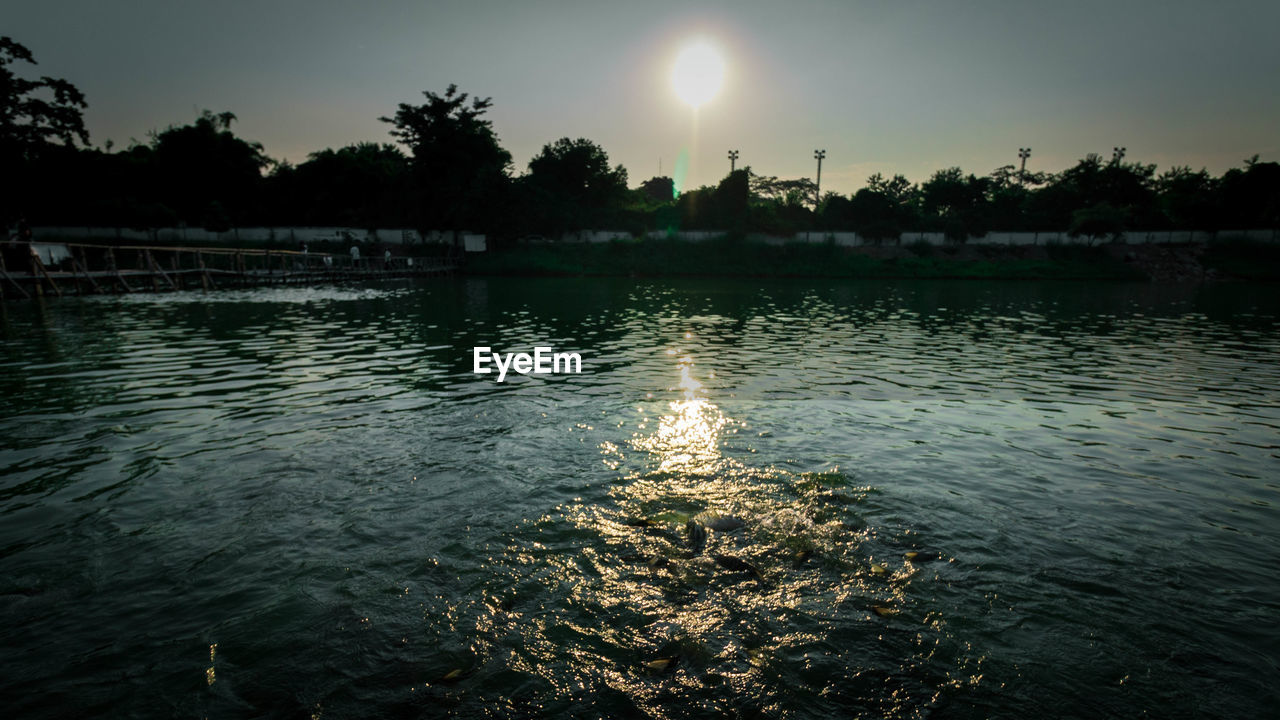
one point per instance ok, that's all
(882, 85)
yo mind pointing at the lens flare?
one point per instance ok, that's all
(681, 174)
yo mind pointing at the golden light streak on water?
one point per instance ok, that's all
(208, 673)
(688, 437)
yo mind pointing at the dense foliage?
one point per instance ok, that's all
(454, 174)
(38, 119)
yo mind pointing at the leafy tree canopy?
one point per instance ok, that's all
(460, 170)
(35, 115)
(659, 189)
(897, 188)
(203, 165)
(578, 171)
(768, 188)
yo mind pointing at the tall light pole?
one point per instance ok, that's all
(733, 158)
(817, 186)
(1117, 154)
(1023, 153)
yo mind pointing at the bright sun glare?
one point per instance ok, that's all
(697, 73)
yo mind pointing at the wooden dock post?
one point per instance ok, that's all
(111, 260)
(205, 280)
(143, 266)
(155, 268)
(37, 264)
(174, 262)
(78, 267)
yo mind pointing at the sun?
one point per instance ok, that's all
(698, 73)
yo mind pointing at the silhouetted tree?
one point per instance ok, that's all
(897, 188)
(363, 185)
(1189, 199)
(768, 188)
(30, 123)
(1009, 193)
(573, 184)
(835, 212)
(205, 173)
(460, 172)
(1250, 197)
(578, 170)
(1108, 187)
(457, 176)
(732, 198)
(1098, 221)
(904, 197)
(659, 189)
(956, 204)
(875, 216)
(696, 209)
(780, 207)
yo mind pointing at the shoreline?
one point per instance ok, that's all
(722, 258)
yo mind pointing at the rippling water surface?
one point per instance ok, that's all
(301, 502)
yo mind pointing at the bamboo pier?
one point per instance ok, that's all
(30, 269)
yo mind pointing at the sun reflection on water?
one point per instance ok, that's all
(783, 595)
(688, 437)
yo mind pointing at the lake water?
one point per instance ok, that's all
(301, 502)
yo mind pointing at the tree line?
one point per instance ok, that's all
(447, 170)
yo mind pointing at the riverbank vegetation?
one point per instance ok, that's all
(742, 257)
(1243, 259)
(447, 170)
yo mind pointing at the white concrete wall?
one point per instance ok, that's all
(687, 235)
(393, 236)
(405, 236)
(594, 236)
(1044, 238)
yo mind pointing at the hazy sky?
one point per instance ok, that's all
(883, 86)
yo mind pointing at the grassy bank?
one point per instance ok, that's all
(1243, 259)
(741, 258)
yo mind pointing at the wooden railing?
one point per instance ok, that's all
(80, 268)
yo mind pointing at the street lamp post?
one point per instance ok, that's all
(733, 157)
(1023, 153)
(817, 186)
(1117, 154)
